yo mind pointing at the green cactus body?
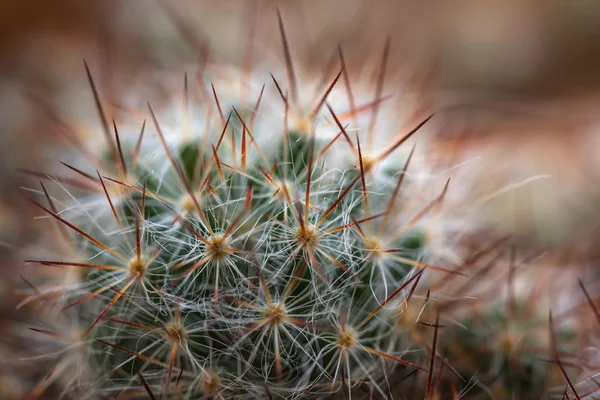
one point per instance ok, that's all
(219, 269)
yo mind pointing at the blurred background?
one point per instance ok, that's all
(515, 83)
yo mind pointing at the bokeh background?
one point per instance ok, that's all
(513, 83)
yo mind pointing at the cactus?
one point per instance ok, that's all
(224, 257)
(247, 242)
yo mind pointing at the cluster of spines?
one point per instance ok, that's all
(237, 262)
(225, 270)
